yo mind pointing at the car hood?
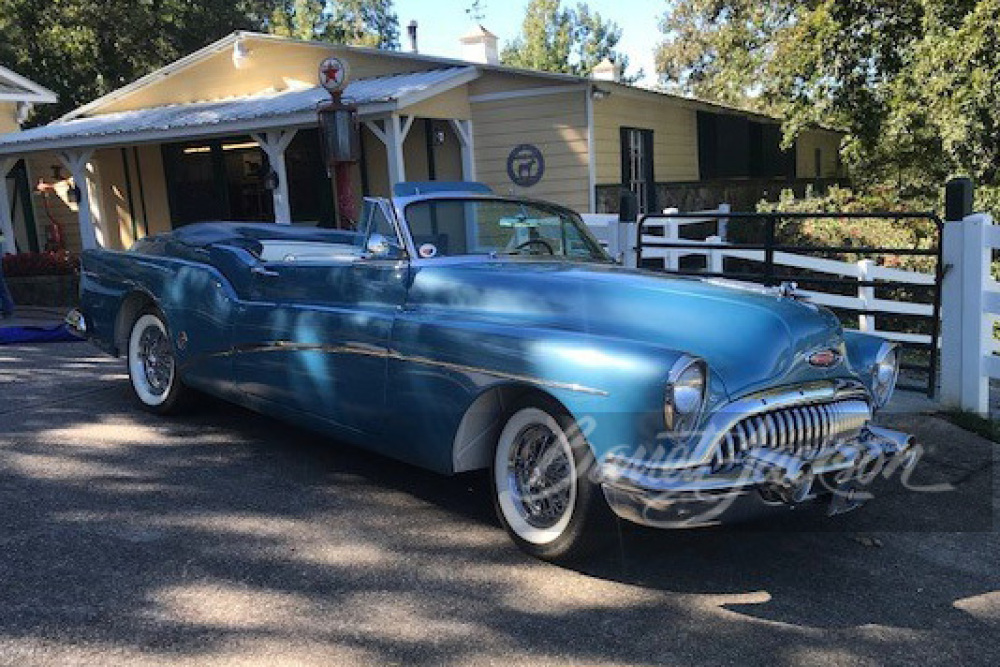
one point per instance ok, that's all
(750, 338)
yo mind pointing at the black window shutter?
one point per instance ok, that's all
(649, 176)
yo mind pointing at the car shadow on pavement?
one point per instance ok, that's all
(227, 534)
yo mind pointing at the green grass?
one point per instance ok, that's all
(970, 421)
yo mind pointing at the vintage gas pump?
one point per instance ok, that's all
(340, 134)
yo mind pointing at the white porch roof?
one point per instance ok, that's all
(262, 111)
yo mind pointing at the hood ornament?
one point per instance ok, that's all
(787, 290)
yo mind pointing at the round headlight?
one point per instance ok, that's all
(884, 374)
(685, 395)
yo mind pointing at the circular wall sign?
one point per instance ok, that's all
(525, 165)
(333, 74)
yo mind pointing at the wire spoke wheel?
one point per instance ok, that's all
(535, 477)
(538, 471)
(157, 359)
(152, 367)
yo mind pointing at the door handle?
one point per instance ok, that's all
(263, 272)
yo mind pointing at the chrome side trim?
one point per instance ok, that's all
(372, 351)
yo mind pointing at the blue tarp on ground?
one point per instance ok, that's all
(21, 335)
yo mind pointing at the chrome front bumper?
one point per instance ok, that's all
(669, 497)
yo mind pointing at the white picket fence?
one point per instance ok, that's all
(970, 307)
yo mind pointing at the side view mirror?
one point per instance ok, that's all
(379, 246)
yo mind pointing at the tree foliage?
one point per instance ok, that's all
(82, 49)
(567, 40)
(356, 22)
(912, 82)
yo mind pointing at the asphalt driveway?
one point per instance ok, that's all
(225, 537)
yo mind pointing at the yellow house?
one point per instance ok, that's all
(230, 133)
(17, 96)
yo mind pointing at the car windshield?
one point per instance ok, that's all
(449, 227)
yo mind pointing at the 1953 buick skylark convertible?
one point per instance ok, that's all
(460, 330)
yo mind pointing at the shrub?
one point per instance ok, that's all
(40, 264)
(859, 232)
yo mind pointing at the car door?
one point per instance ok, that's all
(314, 335)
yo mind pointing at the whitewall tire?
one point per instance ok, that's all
(541, 484)
(152, 366)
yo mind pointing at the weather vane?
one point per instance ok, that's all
(476, 11)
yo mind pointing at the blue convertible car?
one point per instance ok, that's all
(463, 330)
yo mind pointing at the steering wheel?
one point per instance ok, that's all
(541, 242)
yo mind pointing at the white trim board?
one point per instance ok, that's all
(36, 92)
(528, 92)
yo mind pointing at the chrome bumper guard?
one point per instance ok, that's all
(707, 495)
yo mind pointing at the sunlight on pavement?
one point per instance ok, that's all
(985, 607)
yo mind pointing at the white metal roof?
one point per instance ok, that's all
(288, 108)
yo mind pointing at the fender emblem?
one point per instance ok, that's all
(824, 358)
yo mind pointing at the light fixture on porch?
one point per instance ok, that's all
(240, 146)
(440, 135)
(22, 111)
(241, 54)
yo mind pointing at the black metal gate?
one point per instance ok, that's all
(762, 247)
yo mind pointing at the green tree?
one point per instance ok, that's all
(545, 41)
(82, 49)
(571, 41)
(363, 23)
(356, 22)
(912, 82)
(954, 85)
(301, 19)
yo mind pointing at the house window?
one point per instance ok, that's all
(637, 166)
(818, 159)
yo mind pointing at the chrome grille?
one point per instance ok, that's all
(800, 429)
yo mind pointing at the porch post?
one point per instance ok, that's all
(392, 134)
(274, 144)
(6, 223)
(463, 128)
(395, 134)
(76, 162)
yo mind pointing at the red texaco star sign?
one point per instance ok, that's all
(333, 74)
